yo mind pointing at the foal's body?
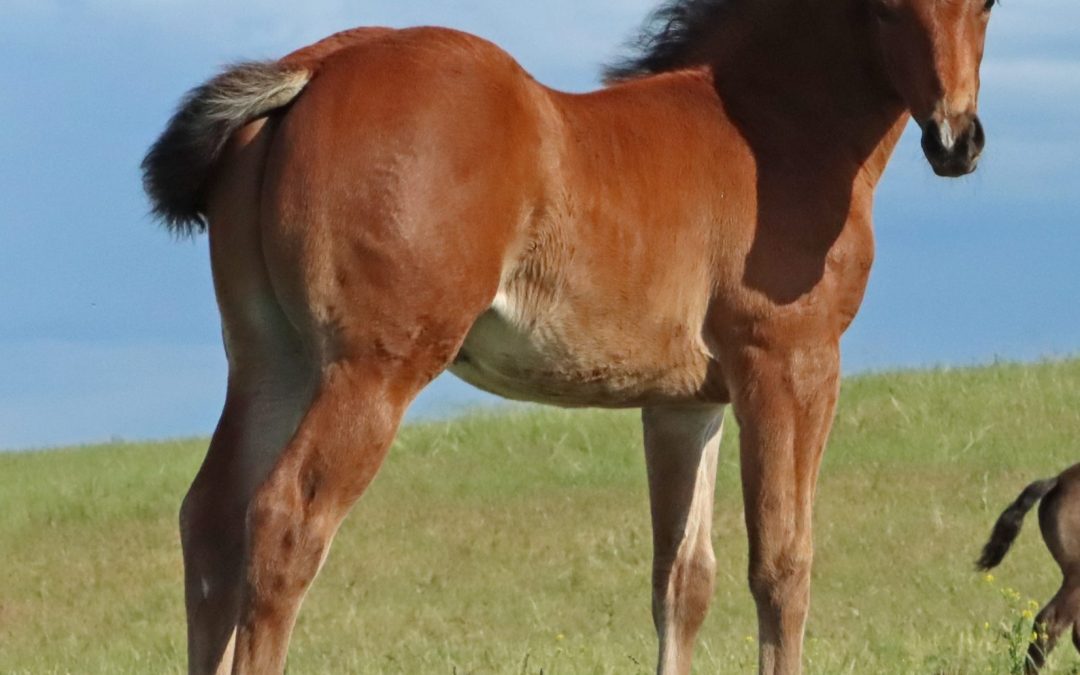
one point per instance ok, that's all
(568, 317)
(404, 202)
(583, 288)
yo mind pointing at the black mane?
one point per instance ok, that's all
(671, 38)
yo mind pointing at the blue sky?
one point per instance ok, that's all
(108, 328)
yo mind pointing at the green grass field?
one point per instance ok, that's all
(519, 543)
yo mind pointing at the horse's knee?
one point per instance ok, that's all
(692, 561)
(287, 539)
(695, 582)
(276, 522)
(685, 583)
(695, 573)
(781, 580)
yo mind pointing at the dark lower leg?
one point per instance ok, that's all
(1051, 622)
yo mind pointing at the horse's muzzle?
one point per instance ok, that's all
(953, 145)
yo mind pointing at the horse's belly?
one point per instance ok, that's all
(552, 361)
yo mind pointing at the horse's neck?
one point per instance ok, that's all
(809, 87)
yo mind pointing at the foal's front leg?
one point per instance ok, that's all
(785, 405)
(680, 448)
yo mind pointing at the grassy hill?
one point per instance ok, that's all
(520, 543)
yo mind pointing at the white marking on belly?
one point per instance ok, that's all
(540, 354)
(500, 356)
(503, 306)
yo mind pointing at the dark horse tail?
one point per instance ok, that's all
(1008, 524)
(178, 167)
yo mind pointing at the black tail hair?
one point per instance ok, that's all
(1008, 524)
(177, 167)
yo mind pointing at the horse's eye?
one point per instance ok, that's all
(989, 5)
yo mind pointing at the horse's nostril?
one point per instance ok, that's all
(978, 135)
(974, 140)
(931, 141)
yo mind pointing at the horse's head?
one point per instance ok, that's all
(932, 51)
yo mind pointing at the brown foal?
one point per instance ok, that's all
(1059, 521)
(388, 204)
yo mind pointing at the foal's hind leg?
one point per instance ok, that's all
(1057, 616)
(260, 414)
(269, 388)
(334, 455)
(680, 448)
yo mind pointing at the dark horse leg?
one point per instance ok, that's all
(1059, 522)
(1058, 615)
